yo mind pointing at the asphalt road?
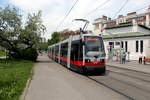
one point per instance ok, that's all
(51, 81)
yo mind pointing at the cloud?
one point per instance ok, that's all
(53, 11)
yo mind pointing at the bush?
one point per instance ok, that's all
(26, 54)
(29, 54)
(2, 53)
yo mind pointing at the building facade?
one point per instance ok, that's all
(105, 22)
(133, 39)
(129, 34)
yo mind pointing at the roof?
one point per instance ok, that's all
(119, 26)
(143, 26)
(125, 35)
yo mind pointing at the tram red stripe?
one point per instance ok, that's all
(94, 63)
(80, 63)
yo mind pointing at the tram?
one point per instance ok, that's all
(81, 53)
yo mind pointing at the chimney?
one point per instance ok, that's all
(104, 17)
(120, 16)
(109, 18)
(131, 14)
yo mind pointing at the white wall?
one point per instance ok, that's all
(147, 19)
(147, 48)
(131, 46)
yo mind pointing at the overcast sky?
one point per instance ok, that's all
(53, 11)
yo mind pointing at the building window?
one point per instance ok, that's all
(141, 46)
(117, 43)
(137, 46)
(126, 46)
(111, 44)
(122, 44)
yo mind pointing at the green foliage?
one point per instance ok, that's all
(26, 54)
(2, 53)
(13, 78)
(10, 26)
(43, 46)
(30, 54)
(55, 38)
(15, 36)
(31, 34)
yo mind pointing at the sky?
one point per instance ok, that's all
(53, 11)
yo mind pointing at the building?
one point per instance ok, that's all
(101, 23)
(132, 39)
(130, 34)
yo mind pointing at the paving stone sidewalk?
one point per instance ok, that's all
(132, 65)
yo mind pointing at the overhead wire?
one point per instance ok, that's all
(101, 5)
(141, 8)
(67, 14)
(121, 8)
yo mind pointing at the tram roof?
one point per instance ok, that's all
(74, 37)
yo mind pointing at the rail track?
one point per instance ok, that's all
(133, 85)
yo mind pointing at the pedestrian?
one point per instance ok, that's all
(121, 59)
(140, 58)
(144, 60)
(124, 58)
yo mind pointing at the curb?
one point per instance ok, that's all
(22, 97)
(129, 69)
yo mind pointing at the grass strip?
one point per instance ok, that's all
(13, 77)
(2, 53)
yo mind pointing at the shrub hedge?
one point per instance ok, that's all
(26, 54)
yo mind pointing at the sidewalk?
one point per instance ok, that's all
(132, 65)
(51, 81)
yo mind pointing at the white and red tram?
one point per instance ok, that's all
(81, 53)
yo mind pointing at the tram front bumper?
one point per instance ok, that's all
(95, 68)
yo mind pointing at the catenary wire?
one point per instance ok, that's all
(121, 8)
(141, 8)
(67, 14)
(101, 5)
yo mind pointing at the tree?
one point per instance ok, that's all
(17, 37)
(55, 38)
(31, 34)
(10, 28)
(43, 46)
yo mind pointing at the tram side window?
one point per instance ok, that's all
(64, 50)
(49, 50)
(76, 51)
(52, 50)
(56, 50)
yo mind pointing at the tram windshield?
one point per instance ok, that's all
(94, 46)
